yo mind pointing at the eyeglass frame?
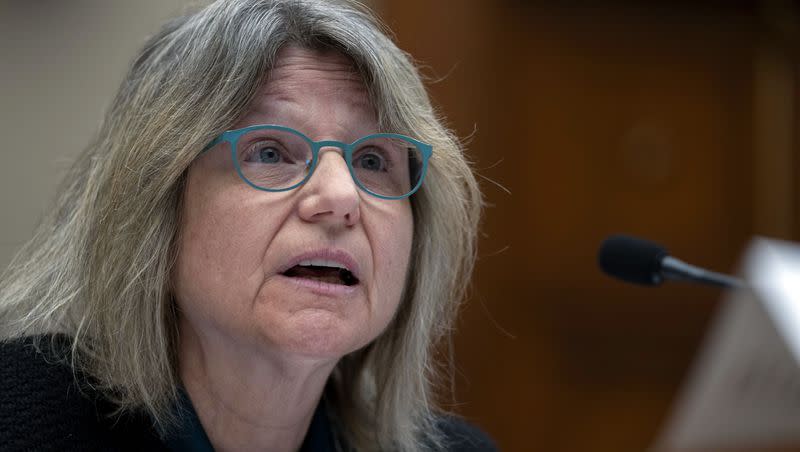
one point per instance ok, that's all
(232, 137)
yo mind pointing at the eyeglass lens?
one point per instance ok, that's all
(277, 159)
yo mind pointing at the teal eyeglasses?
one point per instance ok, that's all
(278, 158)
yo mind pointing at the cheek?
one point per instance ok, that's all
(222, 242)
(392, 251)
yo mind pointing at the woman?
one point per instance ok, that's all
(258, 252)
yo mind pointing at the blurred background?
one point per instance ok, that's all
(673, 120)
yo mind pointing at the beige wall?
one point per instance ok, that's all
(60, 64)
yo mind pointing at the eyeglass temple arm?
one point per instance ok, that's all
(213, 143)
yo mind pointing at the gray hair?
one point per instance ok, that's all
(99, 266)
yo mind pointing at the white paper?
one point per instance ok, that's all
(744, 389)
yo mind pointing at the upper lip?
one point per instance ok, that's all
(327, 257)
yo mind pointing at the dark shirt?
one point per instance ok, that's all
(42, 408)
(191, 437)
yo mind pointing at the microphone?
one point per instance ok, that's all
(643, 262)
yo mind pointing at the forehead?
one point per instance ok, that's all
(299, 72)
(294, 64)
(308, 89)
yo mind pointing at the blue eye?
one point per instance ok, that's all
(269, 155)
(370, 161)
(265, 154)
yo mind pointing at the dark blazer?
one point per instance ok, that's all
(42, 408)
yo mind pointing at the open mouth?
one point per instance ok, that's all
(327, 273)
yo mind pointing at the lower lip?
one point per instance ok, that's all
(321, 288)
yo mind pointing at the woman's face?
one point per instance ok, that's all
(238, 277)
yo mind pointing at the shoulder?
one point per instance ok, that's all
(461, 436)
(45, 405)
(27, 367)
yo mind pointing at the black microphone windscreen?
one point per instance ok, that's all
(631, 259)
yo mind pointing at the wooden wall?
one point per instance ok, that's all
(675, 121)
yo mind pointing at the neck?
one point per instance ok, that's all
(247, 399)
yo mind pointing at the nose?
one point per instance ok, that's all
(330, 196)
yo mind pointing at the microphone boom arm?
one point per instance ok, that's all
(678, 270)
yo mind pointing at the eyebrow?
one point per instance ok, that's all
(262, 108)
(284, 96)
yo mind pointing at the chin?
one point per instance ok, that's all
(319, 334)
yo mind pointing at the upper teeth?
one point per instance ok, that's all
(321, 263)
